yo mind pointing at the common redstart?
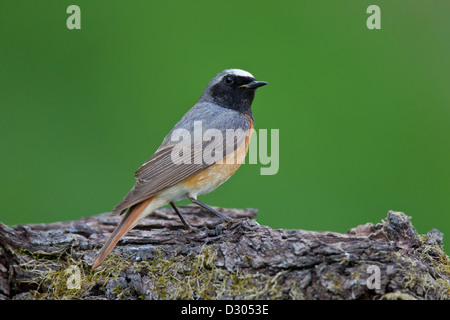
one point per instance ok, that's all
(188, 168)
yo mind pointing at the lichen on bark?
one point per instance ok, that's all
(242, 261)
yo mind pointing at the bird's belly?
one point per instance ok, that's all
(210, 178)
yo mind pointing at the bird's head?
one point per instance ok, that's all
(232, 89)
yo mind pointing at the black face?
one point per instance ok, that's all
(232, 92)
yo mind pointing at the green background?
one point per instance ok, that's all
(363, 114)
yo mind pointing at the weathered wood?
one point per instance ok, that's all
(156, 260)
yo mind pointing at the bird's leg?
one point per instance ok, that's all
(186, 224)
(228, 220)
(217, 213)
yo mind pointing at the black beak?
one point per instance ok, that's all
(254, 84)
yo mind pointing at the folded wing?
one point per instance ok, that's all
(161, 171)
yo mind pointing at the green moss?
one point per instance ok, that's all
(178, 277)
(397, 296)
(434, 255)
(420, 282)
(197, 277)
(55, 276)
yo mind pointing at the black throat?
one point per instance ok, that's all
(239, 100)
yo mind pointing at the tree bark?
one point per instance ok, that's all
(244, 260)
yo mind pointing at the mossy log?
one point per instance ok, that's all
(388, 260)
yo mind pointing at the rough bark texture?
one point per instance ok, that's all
(157, 260)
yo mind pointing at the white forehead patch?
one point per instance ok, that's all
(239, 73)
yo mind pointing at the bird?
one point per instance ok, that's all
(179, 170)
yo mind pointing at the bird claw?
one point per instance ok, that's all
(189, 230)
(232, 223)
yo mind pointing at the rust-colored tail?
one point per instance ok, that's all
(131, 218)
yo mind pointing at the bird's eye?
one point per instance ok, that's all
(228, 80)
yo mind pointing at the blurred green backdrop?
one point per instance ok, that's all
(363, 114)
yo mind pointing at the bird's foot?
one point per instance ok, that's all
(232, 223)
(190, 230)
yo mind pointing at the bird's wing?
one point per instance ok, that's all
(161, 171)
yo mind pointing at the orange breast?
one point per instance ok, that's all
(210, 178)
